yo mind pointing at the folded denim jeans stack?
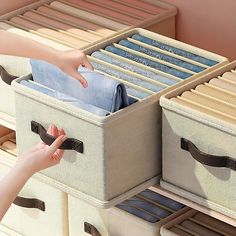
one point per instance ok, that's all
(103, 95)
(148, 65)
(150, 206)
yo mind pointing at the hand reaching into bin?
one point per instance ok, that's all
(67, 61)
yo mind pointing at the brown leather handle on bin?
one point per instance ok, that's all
(207, 159)
(69, 144)
(30, 203)
(90, 229)
(6, 77)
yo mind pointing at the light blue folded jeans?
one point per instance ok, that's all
(65, 98)
(102, 91)
(134, 68)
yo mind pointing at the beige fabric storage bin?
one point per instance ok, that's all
(97, 175)
(48, 215)
(196, 223)
(85, 219)
(210, 140)
(4, 231)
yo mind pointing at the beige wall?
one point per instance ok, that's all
(209, 24)
(10, 5)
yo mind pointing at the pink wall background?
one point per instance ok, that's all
(10, 5)
(208, 24)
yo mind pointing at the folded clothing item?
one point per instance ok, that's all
(148, 62)
(102, 91)
(165, 201)
(138, 212)
(134, 68)
(161, 56)
(148, 207)
(65, 98)
(177, 51)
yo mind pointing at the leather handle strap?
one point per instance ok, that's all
(69, 144)
(29, 203)
(6, 77)
(90, 229)
(207, 159)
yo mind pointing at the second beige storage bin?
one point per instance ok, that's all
(199, 141)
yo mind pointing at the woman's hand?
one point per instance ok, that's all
(69, 61)
(43, 156)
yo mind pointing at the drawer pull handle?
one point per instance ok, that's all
(6, 77)
(29, 203)
(90, 229)
(207, 159)
(69, 144)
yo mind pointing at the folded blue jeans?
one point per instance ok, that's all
(148, 207)
(148, 62)
(138, 212)
(131, 67)
(162, 56)
(102, 91)
(65, 98)
(126, 77)
(177, 51)
(165, 201)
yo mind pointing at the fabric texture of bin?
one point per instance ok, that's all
(198, 141)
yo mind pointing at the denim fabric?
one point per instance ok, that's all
(126, 77)
(137, 212)
(102, 91)
(161, 56)
(136, 93)
(65, 98)
(148, 62)
(148, 194)
(147, 206)
(133, 68)
(175, 50)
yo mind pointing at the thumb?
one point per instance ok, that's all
(56, 144)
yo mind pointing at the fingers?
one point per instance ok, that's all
(87, 64)
(79, 77)
(52, 130)
(56, 144)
